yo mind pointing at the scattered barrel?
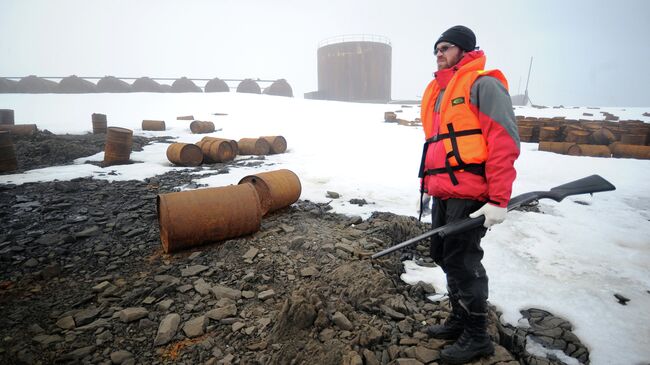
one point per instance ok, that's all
(216, 151)
(589, 150)
(6, 117)
(253, 146)
(185, 117)
(99, 123)
(390, 117)
(637, 139)
(276, 189)
(184, 154)
(602, 136)
(630, 151)
(233, 143)
(118, 146)
(192, 218)
(526, 133)
(20, 129)
(198, 126)
(556, 147)
(548, 134)
(578, 136)
(8, 160)
(278, 144)
(153, 125)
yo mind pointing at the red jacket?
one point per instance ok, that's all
(494, 148)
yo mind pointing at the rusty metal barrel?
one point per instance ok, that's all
(602, 136)
(548, 134)
(184, 154)
(253, 146)
(198, 127)
(578, 136)
(233, 143)
(630, 151)
(6, 116)
(118, 146)
(216, 150)
(276, 189)
(526, 133)
(556, 147)
(192, 218)
(19, 129)
(153, 125)
(592, 150)
(8, 160)
(99, 123)
(637, 139)
(278, 144)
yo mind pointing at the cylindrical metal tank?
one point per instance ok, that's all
(276, 189)
(118, 146)
(355, 68)
(8, 160)
(184, 154)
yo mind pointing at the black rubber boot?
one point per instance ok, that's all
(454, 324)
(473, 343)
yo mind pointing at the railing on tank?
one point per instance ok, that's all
(354, 38)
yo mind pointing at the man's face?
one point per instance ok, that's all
(447, 55)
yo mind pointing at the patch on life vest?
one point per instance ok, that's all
(460, 100)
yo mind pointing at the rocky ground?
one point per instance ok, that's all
(83, 279)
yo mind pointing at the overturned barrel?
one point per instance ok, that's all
(153, 125)
(548, 134)
(602, 136)
(253, 146)
(589, 150)
(630, 151)
(637, 139)
(556, 147)
(192, 218)
(198, 127)
(8, 160)
(118, 146)
(184, 154)
(278, 144)
(216, 150)
(233, 143)
(6, 116)
(99, 123)
(20, 129)
(276, 189)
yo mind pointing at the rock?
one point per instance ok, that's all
(251, 253)
(36, 329)
(66, 323)
(167, 329)
(309, 272)
(237, 326)
(194, 255)
(101, 287)
(247, 294)
(223, 312)
(403, 361)
(88, 232)
(370, 358)
(94, 325)
(342, 321)
(352, 358)
(266, 294)
(47, 339)
(132, 314)
(369, 336)
(391, 313)
(426, 355)
(333, 195)
(164, 305)
(77, 354)
(118, 357)
(86, 316)
(202, 287)
(31, 263)
(220, 291)
(193, 270)
(195, 326)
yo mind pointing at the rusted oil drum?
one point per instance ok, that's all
(7, 153)
(118, 146)
(548, 134)
(153, 125)
(278, 144)
(6, 116)
(99, 123)
(589, 150)
(390, 117)
(19, 129)
(578, 136)
(276, 189)
(637, 139)
(198, 127)
(192, 218)
(630, 151)
(233, 143)
(602, 136)
(185, 117)
(253, 146)
(526, 133)
(184, 154)
(556, 147)
(216, 150)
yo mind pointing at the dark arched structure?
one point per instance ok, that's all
(36, 85)
(249, 86)
(75, 85)
(111, 84)
(216, 85)
(280, 88)
(184, 85)
(147, 85)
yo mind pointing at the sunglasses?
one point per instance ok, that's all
(443, 49)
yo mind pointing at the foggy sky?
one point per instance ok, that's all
(588, 53)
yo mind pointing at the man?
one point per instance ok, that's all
(468, 169)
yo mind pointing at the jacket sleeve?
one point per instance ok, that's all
(491, 102)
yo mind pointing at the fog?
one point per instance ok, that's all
(589, 53)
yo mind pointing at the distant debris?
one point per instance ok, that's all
(646, 114)
(587, 114)
(621, 299)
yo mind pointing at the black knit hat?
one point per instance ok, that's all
(459, 35)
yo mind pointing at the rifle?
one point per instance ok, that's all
(588, 185)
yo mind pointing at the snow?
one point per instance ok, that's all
(570, 259)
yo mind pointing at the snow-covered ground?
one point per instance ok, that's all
(571, 259)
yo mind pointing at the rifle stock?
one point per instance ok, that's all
(588, 185)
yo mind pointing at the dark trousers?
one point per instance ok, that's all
(460, 255)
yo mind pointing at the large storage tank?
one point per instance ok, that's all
(355, 68)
